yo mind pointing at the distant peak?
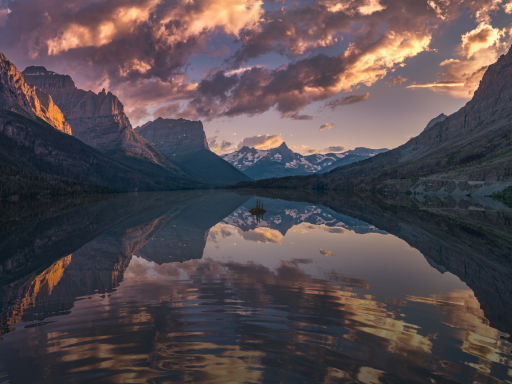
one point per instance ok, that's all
(37, 70)
(283, 146)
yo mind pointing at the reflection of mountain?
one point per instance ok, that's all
(473, 244)
(253, 324)
(100, 240)
(282, 215)
(185, 238)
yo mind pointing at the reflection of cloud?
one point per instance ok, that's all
(262, 235)
(327, 253)
(325, 126)
(306, 227)
(223, 230)
(261, 141)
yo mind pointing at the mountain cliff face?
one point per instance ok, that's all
(467, 152)
(96, 119)
(282, 161)
(21, 97)
(174, 136)
(185, 141)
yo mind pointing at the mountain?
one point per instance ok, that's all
(349, 157)
(185, 141)
(282, 161)
(18, 96)
(98, 120)
(39, 157)
(469, 152)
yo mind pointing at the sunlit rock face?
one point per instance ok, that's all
(97, 119)
(19, 96)
(172, 136)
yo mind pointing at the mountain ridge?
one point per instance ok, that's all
(261, 164)
(467, 152)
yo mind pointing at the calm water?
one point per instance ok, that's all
(190, 287)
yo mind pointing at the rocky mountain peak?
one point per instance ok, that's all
(174, 136)
(435, 120)
(97, 119)
(19, 96)
(37, 70)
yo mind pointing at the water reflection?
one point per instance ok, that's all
(189, 286)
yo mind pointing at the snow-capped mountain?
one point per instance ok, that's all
(282, 161)
(283, 215)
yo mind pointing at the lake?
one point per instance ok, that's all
(189, 286)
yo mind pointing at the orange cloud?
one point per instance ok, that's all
(261, 141)
(370, 6)
(120, 23)
(483, 36)
(196, 17)
(479, 48)
(326, 126)
(399, 80)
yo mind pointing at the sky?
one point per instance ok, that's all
(320, 75)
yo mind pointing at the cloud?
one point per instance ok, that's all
(508, 7)
(261, 141)
(4, 13)
(101, 30)
(337, 148)
(219, 148)
(478, 49)
(436, 84)
(327, 253)
(296, 116)
(353, 99)
(325, 126)
(371, 6)
(262, 235)
(399, 80)
(141, 50)
(168, 111)
(299, 148)
(484, 36)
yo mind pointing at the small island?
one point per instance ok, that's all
(258, 209)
